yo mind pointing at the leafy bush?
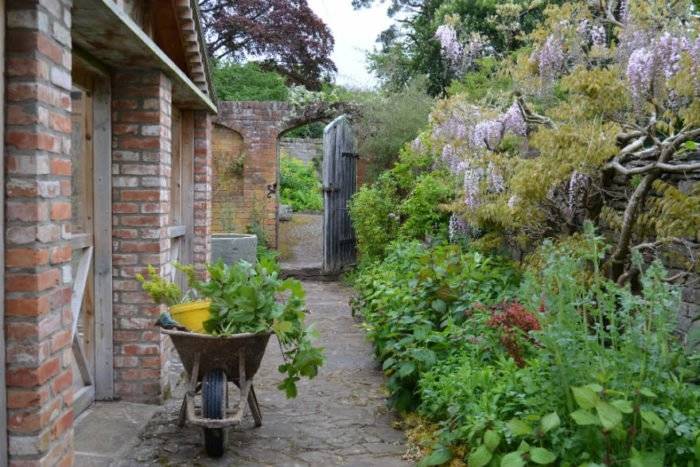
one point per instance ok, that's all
(388, 120)
(566, 368)
(407, 202)
(414, 301)
(299, 185)
(248, 82)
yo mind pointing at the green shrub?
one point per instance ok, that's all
(248, 82)
(414, 301)
(406, 202)
(299, 185)
(578, 370)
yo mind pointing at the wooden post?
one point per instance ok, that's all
(102, 212)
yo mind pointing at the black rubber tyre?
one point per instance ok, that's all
(213, 403)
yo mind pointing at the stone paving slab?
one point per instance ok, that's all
(339, 418)
(108, 430)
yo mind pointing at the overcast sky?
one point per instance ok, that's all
(355, 33)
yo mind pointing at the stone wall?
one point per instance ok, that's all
(304, 149)
(37, 152)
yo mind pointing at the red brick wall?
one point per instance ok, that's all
(141, 120)
(38, 211)
(201, 244)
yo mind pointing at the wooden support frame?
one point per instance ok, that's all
(101, 382)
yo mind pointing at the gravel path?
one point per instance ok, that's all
(301, 241)
(339, 418)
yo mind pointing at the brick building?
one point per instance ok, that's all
(106, 128)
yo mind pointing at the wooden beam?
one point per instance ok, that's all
(102, 181)
(175, 231)
(79, 283)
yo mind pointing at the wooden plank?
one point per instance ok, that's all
(3, 396)
(187, 191)
(81, 361)
(175, 231)
(82, 399)
(79, 283)
(81, 241)
(102, 181)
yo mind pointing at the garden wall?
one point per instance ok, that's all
(305, 149)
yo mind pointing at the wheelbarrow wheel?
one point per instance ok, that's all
(213, 406)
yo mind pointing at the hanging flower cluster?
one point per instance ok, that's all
(653, 64)
(451, 48)
(462, 56)
(550, 58)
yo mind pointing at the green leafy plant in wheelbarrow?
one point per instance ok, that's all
(246, 305)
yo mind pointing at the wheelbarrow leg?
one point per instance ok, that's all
(254, 407)
(182, 418)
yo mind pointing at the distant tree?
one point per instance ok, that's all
(286, 35)
(248, 82)
(409, 48)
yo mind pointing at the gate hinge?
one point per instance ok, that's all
(350, 154)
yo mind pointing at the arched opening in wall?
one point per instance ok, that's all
(229, 211)
(300, 197)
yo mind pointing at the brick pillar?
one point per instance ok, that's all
(141, 120)
(37, 221)
(201, 244)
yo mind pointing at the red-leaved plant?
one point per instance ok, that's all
(514, 323)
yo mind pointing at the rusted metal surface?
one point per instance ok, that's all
(239, 356)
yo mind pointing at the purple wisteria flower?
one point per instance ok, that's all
(452, 49)
(452, 160)
(494, 179)
(458, 227)
(513, 120)
(472, 180)
(550, 58)
(487, 134)
(640, 73)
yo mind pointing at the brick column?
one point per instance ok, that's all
(141, 121)
(37, 221)
(201, 243)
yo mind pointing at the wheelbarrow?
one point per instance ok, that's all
(211, 362)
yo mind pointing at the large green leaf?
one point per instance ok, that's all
(608, 415)
(653, 422)
(646, 459)
(480, 457)
(585, 397)
(542, 456)
(550, 422)
(492, 440)
(519, 427)
(584, 417)
(513, 459)
(439, 456)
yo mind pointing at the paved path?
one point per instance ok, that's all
(339, 418)
(301, 241)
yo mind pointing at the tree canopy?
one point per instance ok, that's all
(285, 35)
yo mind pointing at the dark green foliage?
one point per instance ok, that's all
(248, 82)
(299, 185)
(414, 302)
(406, 202)
(388, 120)
(603, 381)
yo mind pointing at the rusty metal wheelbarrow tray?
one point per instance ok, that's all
(238, 356)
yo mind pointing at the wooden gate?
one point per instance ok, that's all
(339, 184)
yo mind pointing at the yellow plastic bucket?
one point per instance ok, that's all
(191, 315)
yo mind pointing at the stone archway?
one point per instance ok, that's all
(260, 125)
